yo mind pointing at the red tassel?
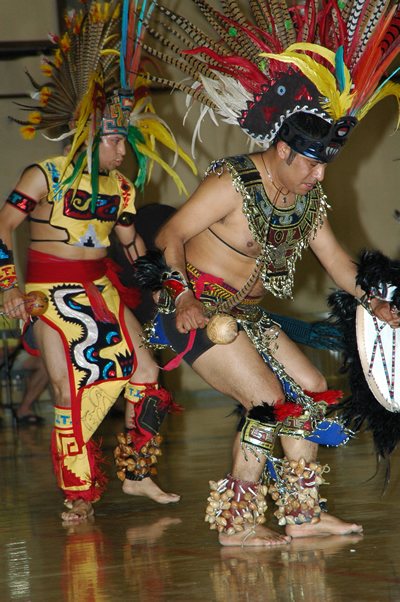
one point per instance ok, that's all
(130, 296)
(141, 436)
(100, 309)
(97, 478)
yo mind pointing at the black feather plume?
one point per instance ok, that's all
(150, 269)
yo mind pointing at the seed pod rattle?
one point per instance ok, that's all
(36, 303)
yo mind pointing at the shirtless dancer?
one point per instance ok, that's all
(297, 91)
(210, 246)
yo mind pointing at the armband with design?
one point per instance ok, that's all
(175, 284)
(21, 201)
(8, 276)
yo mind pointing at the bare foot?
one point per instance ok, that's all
(78, 510)
(148, 488)
(258, 536)
(328, 525)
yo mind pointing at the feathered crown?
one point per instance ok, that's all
(96, 87)
(326, 62)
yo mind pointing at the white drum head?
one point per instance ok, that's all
(378, 346)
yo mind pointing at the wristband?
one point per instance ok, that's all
(175, 284)
(365, 302)
(8, 277)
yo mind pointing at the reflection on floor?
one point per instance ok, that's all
(136, 550)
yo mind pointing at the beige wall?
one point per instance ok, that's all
(27, 19)
(363, 184)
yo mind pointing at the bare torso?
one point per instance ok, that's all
(209, 254)
(229, 250)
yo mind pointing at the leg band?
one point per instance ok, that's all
(295, 492)
(151, 406)
(235, 505)
(139, 447)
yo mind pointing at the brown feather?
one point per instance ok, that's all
(183, 88)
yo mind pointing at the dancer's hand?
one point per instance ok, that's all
(14, 304)
(189, 313)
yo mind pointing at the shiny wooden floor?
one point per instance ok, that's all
(137, 550)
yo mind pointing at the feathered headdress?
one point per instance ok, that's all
(96, 87)
(327, 62)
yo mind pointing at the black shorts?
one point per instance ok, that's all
(179, 341)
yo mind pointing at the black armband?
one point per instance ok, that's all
(125, 219)
(21, 201)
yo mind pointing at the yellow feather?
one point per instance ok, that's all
(109, 51)
(389, 89)
(150, 127)
(336, 103)
(142, 148)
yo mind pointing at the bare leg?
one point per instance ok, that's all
(252, 384)
(219, 368)
(146, 372)
(37, 382)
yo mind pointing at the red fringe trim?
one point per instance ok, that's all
(97, 478)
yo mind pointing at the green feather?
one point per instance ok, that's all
(95, 174)
(134, 136)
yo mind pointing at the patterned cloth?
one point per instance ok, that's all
(87, 311)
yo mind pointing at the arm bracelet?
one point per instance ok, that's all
(175, 284)
(8, 277)
(365, 302)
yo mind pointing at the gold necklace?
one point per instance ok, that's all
(278, 190)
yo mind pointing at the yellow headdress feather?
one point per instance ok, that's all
(335, 102)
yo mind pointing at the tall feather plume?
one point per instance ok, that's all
(197, 65)
(86, 47)
(241, 58)
(145, 127)
(194, 33)
(260, 14)
(222, 27)
(372, 16)
(283, 23)
(191, 42)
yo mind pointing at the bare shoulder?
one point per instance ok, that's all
(214, 199)
(218, 192)
(33, 183)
